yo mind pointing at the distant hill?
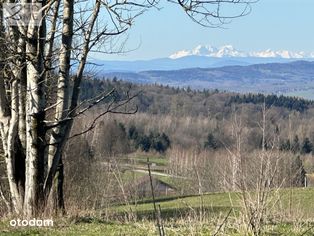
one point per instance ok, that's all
(159, 99)
(278, 78)
(190, 61)
(203, 56)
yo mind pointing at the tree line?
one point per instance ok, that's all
(291, 103)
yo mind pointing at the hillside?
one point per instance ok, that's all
(176, 122)
(205, 150)
(189, 61)
(278, 78)
(216, 205)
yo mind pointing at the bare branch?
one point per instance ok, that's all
(214, 13)
(109, 109)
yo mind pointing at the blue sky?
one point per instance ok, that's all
(274, 24)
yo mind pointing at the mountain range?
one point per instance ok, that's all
(230, 51)
(278, 78)
(200, 57)
(224, 68)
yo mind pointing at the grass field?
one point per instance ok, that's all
(300, 200)
(180, 217)
(144, 228)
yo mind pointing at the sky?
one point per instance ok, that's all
(272, 24)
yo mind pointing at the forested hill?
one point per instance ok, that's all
(258, 78)
(159, 99)
(177, 119)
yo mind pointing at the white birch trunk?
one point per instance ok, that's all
(16, 197)
(63, 80)
(35, 136)
(31, 138)
(9, 130)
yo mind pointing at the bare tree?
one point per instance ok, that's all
(35, 119)
(255, 175)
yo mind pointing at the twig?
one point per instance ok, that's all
(223, 222)
(154, 202)
(162, 226)
(306, 231)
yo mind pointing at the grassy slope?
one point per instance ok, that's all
(300, 200)
(218, 203)
(145, 228)
(80, 229)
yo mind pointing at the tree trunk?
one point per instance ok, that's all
(55, 164)
(59, 179)
(24, 126)
(35, 115)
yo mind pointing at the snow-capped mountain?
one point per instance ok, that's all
(202, 57)
(230, 51)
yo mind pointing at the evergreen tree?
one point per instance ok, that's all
(160, 142)
(211, 142)
(295, 144)
(133, 133)
(285, 145)
(307, 146)
(144, 143)
(298, 178)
